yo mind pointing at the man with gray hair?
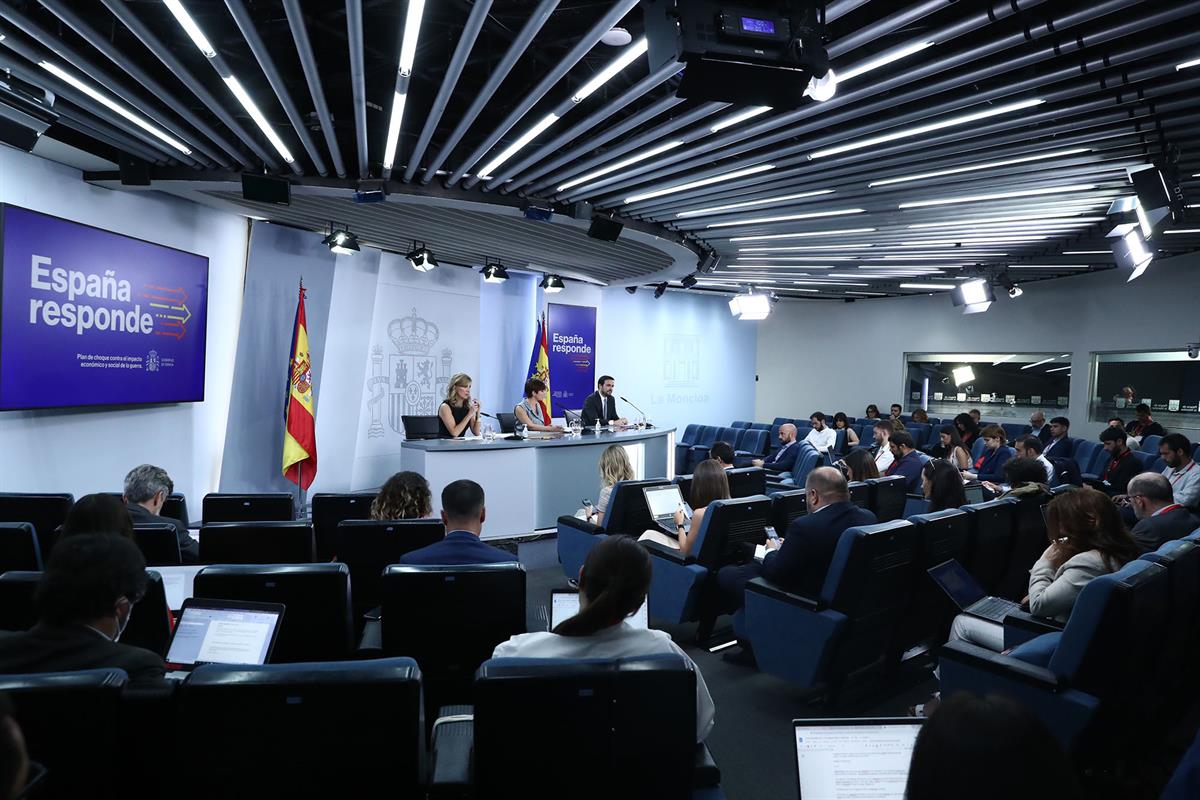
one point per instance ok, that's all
(146, 490)
(1160, 518)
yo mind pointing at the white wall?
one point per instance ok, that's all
(90, 451)
(836, 356)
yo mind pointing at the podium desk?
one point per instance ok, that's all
(530, 483)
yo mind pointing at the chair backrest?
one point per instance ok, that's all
(450, 618)
(887, 496)
(175, 506)
(17, 588)
(1100, 461)
(71, 722)
(839, 440)
(508, 422)
(728, 527)
(737, 423)
(760, 426)
(919, 432)
(19, 548)
(353, 726)
(1182, 560)
(368, 547)
(329, 510)
(787, 507)
(1029, 542)
(151, 622)
(271, 506)
(915, 504)
(1014, 430)
(977, 449)
(1150, 444)
(754, 440)
(747, 481)
(808, 460)
(317, 622)
(708, 435)
(689, 434)
(629, 725)
(684, 482)
(990, 539)
(778, 421)
(1146, 458)
(940, 536)
(729, 435)
(860, 494)
(572, 415)
(627, 510)
(257, 542)
(158, 542)
(45, 512)
(1084, 452)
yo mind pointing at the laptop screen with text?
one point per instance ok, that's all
(564, 605)
(854, 759)
(211, 634)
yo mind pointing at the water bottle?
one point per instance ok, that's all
(489, 435)
(520, 429)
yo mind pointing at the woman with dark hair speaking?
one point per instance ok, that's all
(613, 583)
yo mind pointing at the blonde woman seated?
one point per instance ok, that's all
(459, 412)
(406, 495)
(709, 483)
(614, 467)
(531, 413)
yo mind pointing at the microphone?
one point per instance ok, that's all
(485, 414)
(635, 408)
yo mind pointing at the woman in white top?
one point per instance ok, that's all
(614, 467)
(531, 412)
(613, 583)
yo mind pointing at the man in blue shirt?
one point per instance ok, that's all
(908, 461)
(463, 512)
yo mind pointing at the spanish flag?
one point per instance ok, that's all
(539, 361)
(300, 434)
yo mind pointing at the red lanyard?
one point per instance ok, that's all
(1174, 478)
(1165, 509)
(1114, 462)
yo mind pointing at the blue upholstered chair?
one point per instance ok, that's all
(1095, 670)
(919, 432)
(19, 547)
(915, 504)
(17, 588)
(760, 426)
(887, 497)
(699, 451)
(1150, 444)
(787, 506)
(860, 494)
(271, 542)
(678, 588)
(1182, 646)
(977, 448)
(850, 626)
(684, 443)
(990, 541)
(1014, 430)
(747, 481)
(737, 423)
(1147, 458)
(1029, 542)
(45, 512)
(627, 513)
(839, 442)
(1084, 452)
(751, 445)
(938, 537)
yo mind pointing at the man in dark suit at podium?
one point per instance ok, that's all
(600, 406)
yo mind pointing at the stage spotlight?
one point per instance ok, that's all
(975, 296)
(552, 284)
(494, 273)
(341, 241)
(1131, 252)
(750, 306)
(688, 281)
(421, 258)
(659, 290)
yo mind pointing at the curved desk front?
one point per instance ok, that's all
(530, 483)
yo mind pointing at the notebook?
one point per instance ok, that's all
(564, 604)
(663, 502)
(854, 759)
(968, 594)
(223, 632)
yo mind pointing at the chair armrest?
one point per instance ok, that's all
(571, 521)
(706, 774)
(371, 644)
(764, 587)
(668, 553)
(451, 749)
(1001, 666)
(1021, 626)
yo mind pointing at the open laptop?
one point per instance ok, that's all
(968, 594)
(974, 493)
(854, 759)
(564, 604)
(663, 502)
(222, 632)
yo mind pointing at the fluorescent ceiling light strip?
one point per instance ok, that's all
(662, 148)
(1183, 230)
(412, 30)
(968, 240)
(683, 187)
(1057, 369)
(1087, 252)
(255, 114)
(782, 266)
(796, 248)
(787, 218)
(977, 198)
(976, 167)
(393, 131)
(1038, 363)
(828, 283)
(190, 28)
(627, 57)
(113, 105)
(1069, 215)
(930, 286)
(920, 129)
(700, 212)
(883, 60)
(800, 235)
(1048, 266)
(793, 258)
(955, 256)
(1195, 62)
(749, 113)
(522, 140)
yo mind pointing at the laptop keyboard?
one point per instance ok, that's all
(995, 608)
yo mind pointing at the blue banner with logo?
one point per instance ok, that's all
(572, 355)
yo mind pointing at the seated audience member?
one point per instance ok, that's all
(14, 756)
(1029, 446)
(990, 748)
(882, 451)
(990, 467)
(1087, 539)
(842, 423)
(950, 447)
(1023, 477)
(896, 410)
(898, 425)
(1127, 394)
(1038, 426)
(405, 495)
(613, 583)
(1122, 466)
(463, 512)
(968, 430)
(101, 513)
(723, 452)
(783, 459)
(821, 436)
(1143, 424)
(907, 461)
(872, 412)
(1181, 470)
(146, 490)
(798, 562)
(709, 483)
(942, 485)
(975, 416)
(83, 603)
(614, 468)
(1116, 422)
(1159, 518)
(860, 466)
(920, 415)
(531, 412)
(1059, 445)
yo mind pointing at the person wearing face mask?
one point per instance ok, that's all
(83, 604)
